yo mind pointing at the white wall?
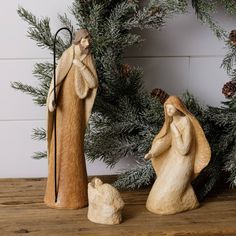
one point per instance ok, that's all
(184, 55)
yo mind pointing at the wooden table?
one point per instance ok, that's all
(22, 212)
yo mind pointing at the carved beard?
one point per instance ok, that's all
(84, 50)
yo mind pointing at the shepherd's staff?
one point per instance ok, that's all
(55, 104)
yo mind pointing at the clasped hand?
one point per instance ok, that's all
(78, 63)
(174, 129)
(51, 105)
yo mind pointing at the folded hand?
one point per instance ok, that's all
(148, 156)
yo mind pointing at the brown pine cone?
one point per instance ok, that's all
(160, 94)
(232, 37)
(154, 10)
(126, 69)
(229, 89)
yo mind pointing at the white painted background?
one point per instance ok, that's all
(184, 55)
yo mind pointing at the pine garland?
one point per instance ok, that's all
(225, 117)
(204, 9)
(125, 117)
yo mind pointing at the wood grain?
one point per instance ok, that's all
(22, 212)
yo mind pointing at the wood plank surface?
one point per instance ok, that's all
(22, 212)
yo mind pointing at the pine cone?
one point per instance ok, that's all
(160, 94)
(232, 37)
(126, 69)
(229, 89)
(154, 10)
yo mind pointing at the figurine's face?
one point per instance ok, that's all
(171, 110)
(98, 183)
(85, 42)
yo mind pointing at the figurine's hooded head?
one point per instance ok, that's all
(82, 33)
(80, 45)
(203, 151)
(179, 105)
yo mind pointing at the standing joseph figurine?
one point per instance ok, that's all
(178, 153)
(76, 87)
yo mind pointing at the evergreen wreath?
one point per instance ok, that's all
(126, 117)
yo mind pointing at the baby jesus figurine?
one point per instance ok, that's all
(178, 153)
(105, 203)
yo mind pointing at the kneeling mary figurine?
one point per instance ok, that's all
(178, 153)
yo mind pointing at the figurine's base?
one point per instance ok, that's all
(168, 212)
(168, 205)
(109, 220)
(57, 205)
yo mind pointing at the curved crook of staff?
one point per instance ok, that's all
(55, 103)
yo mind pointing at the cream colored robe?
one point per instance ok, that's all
(172, 191)
(177, 160)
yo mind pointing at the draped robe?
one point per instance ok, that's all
(177, 160)
(76, 91)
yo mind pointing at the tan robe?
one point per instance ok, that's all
(72, 118)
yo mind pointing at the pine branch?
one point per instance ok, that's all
(155, 14)
(39, 155)
(214, 26)
(115, 146)
(225, 118)
(43, 72)
(229, 5)
(203, 9)
(141, 176)
(230, 104)
(39, 134)
(40, 32)
(230, 59)
(230, 165)
(120, 11)
(81, 10)
(173, 7)
(66, 22)
(39, 96)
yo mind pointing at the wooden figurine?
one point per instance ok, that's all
(178, 153)
(76, 87)
(105, 203)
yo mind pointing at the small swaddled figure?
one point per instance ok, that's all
(105, 203)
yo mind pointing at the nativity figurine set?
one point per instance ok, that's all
(178, 153)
